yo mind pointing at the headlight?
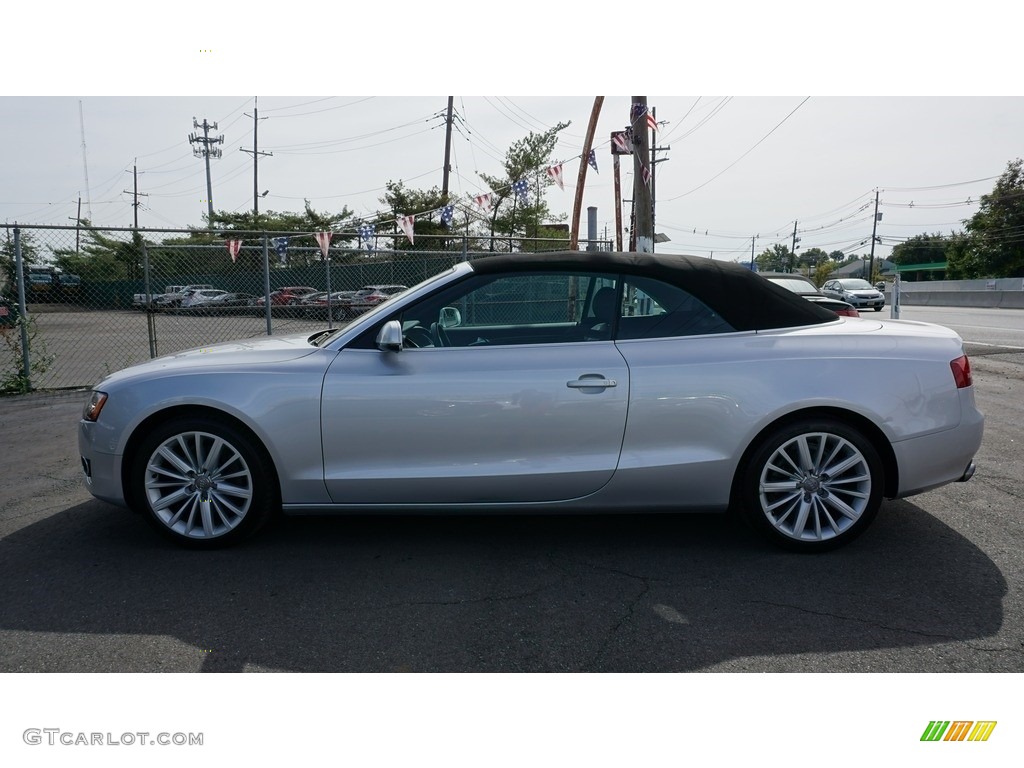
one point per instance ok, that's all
(94, 406)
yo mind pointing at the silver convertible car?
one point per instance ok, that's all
(567, 382)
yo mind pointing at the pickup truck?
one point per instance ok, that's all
(171, 297)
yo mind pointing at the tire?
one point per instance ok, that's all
(812, 486)
(203, 482)
(878, 309)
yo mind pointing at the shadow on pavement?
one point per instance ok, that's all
(623, 593)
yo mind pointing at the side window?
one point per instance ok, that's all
(532, 308)
(652, 309)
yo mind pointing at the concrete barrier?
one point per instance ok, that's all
(987, 299)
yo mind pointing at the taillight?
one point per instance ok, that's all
(961, 368)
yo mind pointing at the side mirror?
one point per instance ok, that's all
(390, 337)
(450, 318)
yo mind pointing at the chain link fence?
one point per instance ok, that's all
(77, 304)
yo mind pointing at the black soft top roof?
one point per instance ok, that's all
(742, 298)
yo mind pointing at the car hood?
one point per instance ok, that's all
(244, 352)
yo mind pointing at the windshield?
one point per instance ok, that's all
(794, 284)
(856, 285)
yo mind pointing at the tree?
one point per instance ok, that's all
(837, 256)
(303, 248)
(427, 228)
(29, 255)
(778, 258)
(524, 161)
(921, 249)
(996, 232)
(823, 271)
(812, 257)
(102, 257)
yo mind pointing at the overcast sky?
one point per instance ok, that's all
(735, 166)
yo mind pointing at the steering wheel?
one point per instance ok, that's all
(418, 337)
(439, 335)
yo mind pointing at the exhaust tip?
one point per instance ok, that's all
(968, 473)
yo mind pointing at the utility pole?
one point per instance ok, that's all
(78, 222)
(204, 151)
(874, 230)
(135, 194)
(654, 162)
(447, 149)
(588, 142)
(793, 249)
(642, 201)
(752, 240)
(255, 159)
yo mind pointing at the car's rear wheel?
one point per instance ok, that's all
(203, 483)
(813, 485)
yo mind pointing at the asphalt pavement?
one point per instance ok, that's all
(935, 585)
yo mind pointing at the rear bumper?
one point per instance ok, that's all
(938, 459)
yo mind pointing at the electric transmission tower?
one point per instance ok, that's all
(205, 151)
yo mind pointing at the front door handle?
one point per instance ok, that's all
(593, 381)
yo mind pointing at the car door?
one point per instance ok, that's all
(510, 408)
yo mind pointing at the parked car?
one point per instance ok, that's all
(370, 296)
(8, 313)
(231, 300)
(201, 298)
(316, 304)
(805, 287)
(175, 298)
(445, 398)
(291, 295)
(853, 290)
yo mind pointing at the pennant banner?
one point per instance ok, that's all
(592, 159)
(555, 172)
(520, 188)
(281, 248)
(645, 174)
(621, 144)
(483, 202)
(324, 240)
(447, 214)
(234, 246)
(406, 223)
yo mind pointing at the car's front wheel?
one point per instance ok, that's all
(203, 482)
(813, 485)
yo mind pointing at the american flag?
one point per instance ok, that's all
(645, 174)
(555, 172)
(652, 122)
(234, 246)
(447, 214)
(592, 159)
(483, 202)
(520, 189)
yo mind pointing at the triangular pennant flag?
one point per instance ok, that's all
(520, 188)
(447, 214)
(234, 246)
(483, 202)
(645, 174)
(592, 159)
(281, 247)
(324, 240)
(621, 142)
(555, 172)
(406, 223)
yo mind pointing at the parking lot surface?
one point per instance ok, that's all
(936, 585)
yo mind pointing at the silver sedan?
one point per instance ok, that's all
(583, 382)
